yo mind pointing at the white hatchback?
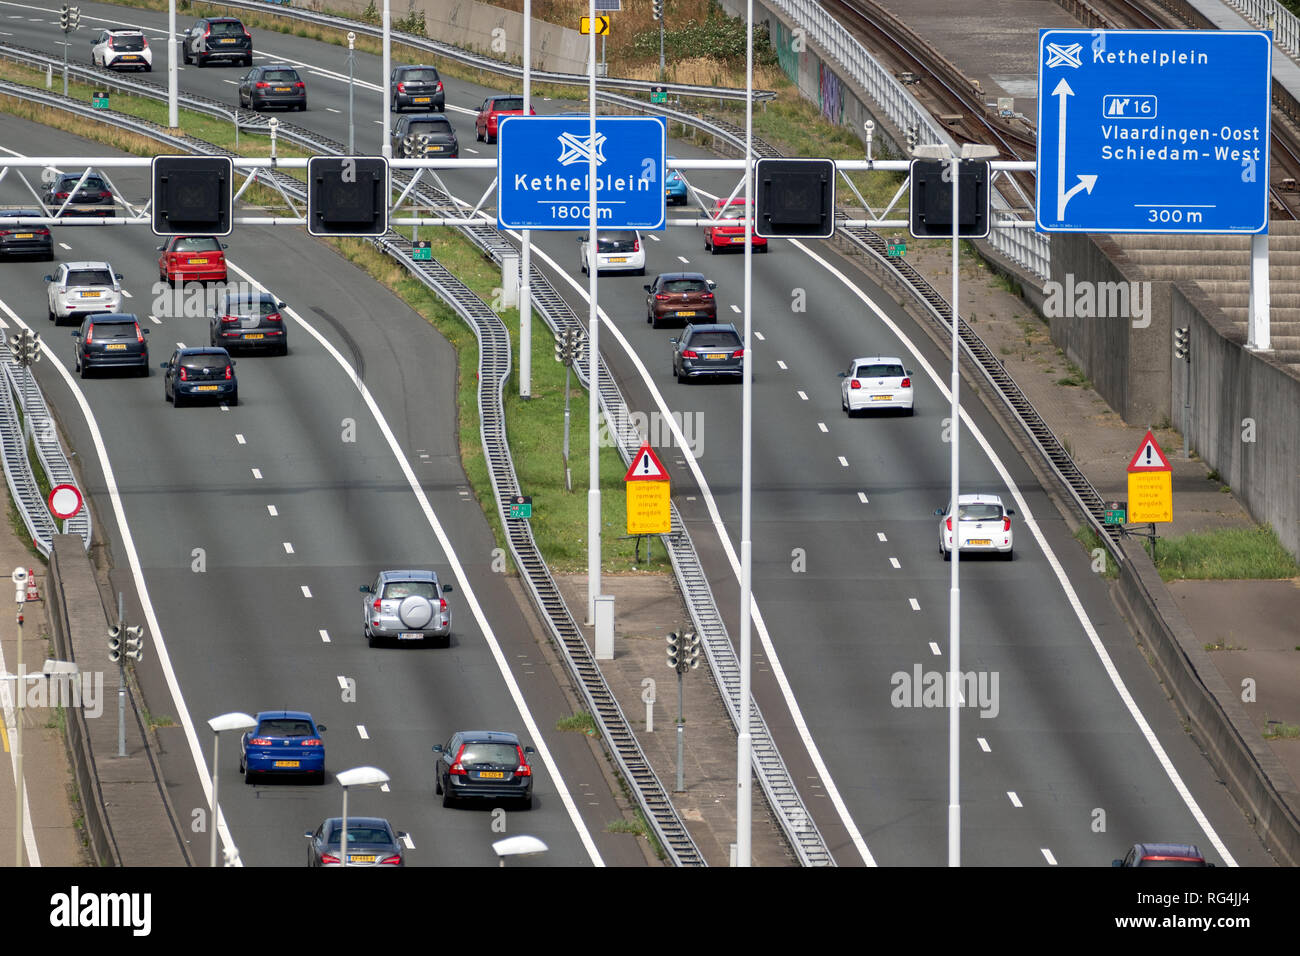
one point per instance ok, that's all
(118, 49)
(617, 250)
(983, 524)
(83, 288)
(876, 382)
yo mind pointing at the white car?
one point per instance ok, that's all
(117, 49)
(617, 250)
(876, 382)
(83, 288)
(983, 524)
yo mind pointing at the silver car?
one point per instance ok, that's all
(79, 289)
(406, 606)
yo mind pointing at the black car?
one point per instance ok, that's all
(708, 350)
(200, 373)
(214, 39)
(483, 764)
(425, 136)
(111, 340)
(416, 87)
(91, 198)
(371, 842)
(248, 320)
(275, 85)
(24, 240)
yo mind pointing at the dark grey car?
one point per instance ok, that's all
(200, 374)
(91, 198)
(250, 320)
(483, 765)
(706, 350)
(406, 606)
(214, 39)
(371, 842)
(111, 340)
(416, 87)
(425, 136)
(275, 85)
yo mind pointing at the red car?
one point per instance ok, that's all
(493, 108)
(730, 228)
(192, 259)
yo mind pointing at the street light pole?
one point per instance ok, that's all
(356, 777)
(20, 596)
(352, 57)
(954, 594)
(526, 259)
(231, 721)
(386, 147)
(593, 325)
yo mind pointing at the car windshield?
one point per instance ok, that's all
(196, 244)
(477, 754)
(980, 512)
(227, 28)
(715, 340)
(420, 76)
(880, 371)
(205, 360)
(113, 330)
(506, 103)
(89, 277)
(133, 42)
(280, 76)
(285, 727)
(402, 589)
(685, 285)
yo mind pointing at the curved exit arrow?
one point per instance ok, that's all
(1085, 182)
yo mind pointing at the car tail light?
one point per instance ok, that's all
(230, 373)
(60, 195)
(949, 524)
(739, 353)
(401, 87)
(184, 376)
(636, 245)
(105, 194)
(90, 333)
(456, 769)
(300, 85)
(378, 605)
(854, 383)
(259, 742)
(110, 43)
(207, 31)
(328, 858)
(707, 295)
(438, 88)
(139, 336)
(393, 860)
(247, 34)
(274, 317)
(311, 742)
(1006, 524)
(145, 41)
(690, 353)
(442, 605)
(230, 318)
(262, 85)
(523, 770)
(661, 297)
(906, 383)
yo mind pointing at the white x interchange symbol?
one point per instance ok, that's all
(1058, 55)
(577, 149)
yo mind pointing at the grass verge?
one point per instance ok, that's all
(581, 722)
(1102, 562)
(1225, 554)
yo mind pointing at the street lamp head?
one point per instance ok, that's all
(235, 720)
(931, 151)
(362, 777)
(352, 38)
(519, 846)
(53, 668)
(978, 151)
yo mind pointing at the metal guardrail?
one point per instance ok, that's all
(487, 63)
(1271, 15)
(18, 468)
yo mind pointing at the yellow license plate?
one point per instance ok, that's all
(420, 99)
(198, 262)
(227, 41)
(618, 259)
(283, 89)
(213, 388)
(90, 295)
(684, 314)
(115, 348)
(361, 858)
(716, 355)
(491, 775)
(286, 763)
(254, 335)
(980, 541)
(882, 398)
(434, 149)
(25, 235)
(738, 239)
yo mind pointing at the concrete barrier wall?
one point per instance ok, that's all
(490, 30)
(1245, 413)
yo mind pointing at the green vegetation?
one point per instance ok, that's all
(716, 35)
(1075, 378)
(639, 827)
(581, 722)
(1092, 543)
(1228, 553)
(1278, 730)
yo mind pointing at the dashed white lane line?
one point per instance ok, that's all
(241, 439)
(306, 591)
(257, 473)
(780, 364)
(736, 309)
(155, 320)
(384, 787)
(803, 396)
(362, 733)
(127, 294)
(64, 246)
(288, 547)
(862, 496)
(824, 429)
(759, 336)
(894, 563)
(343, 682)
(330, 109)
(225, 407)
(679, 258)
(272, 510)
(324, 636)
(915, 605)
(1015, 801)
(653, 237)
(843, 461)
(1047, 855)
(231, 82)
(984, 745)
(935, 649)
(406, 837)
(880, 536)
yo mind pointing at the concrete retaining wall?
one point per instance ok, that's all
(1245, 413)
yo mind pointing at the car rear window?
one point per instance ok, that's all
(284, 727)
(432, 127)
(497, 754)
(280, 76)
(420, 76)
(113, 330)
(361, 834)
(227, 28)
(15, 213)
(714, 340)
(89, 277)
(686, 285)
(92, 182)
(249, 307)
(205, 360)
(980, 512)
(880, 371)
(128, 43)
(196, 244)
(732, 212)
(402, 589)
(503, 103)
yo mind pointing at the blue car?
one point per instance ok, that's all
(284, 742)
(675, 186)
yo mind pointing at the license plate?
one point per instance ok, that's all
(491, 775)
(985, 542)
(286, 763)
(115, 348)
(714, 356)
(410, 636)
(207, 388)
(361, 858)
(24, 235)
(283, 89)
(738, 239)
(435, 149)
(131, 58)
(618, 259)
(685, 314)
(420, 99)
(882, 398)
(198, 262)
(227, 41)
(90, 295)
(254, 335)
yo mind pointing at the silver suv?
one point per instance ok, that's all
(406, 606)
(83, 288)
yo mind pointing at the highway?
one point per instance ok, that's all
(848, 583)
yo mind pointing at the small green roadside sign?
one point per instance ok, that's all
(520, 506)
(896, 249)
(99, 99)
(422, 251)
(658, 94)
(1117, 513)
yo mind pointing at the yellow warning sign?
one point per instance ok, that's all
(602, 26)
(1150, 497)
(647, 507)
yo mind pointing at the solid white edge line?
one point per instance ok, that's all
(142, 590)
(469, 596)
(8, 699)
(1076, 605)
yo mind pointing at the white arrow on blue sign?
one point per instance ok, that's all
(543, 164)
(1153, 131)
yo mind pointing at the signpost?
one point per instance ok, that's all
(602, 26)
(1153, 131)
(542, 168)
(658, 94)
(648, 493)
(520, 506)
(1117, 513)
(896, 249)
(99, 99)
(1150, 484)
(422, 251)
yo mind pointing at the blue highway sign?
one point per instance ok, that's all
(542, 172)
(1153, 131)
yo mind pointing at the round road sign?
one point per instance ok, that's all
(65, 501)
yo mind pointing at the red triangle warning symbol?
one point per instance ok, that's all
(1149, 457)
(646, 466)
